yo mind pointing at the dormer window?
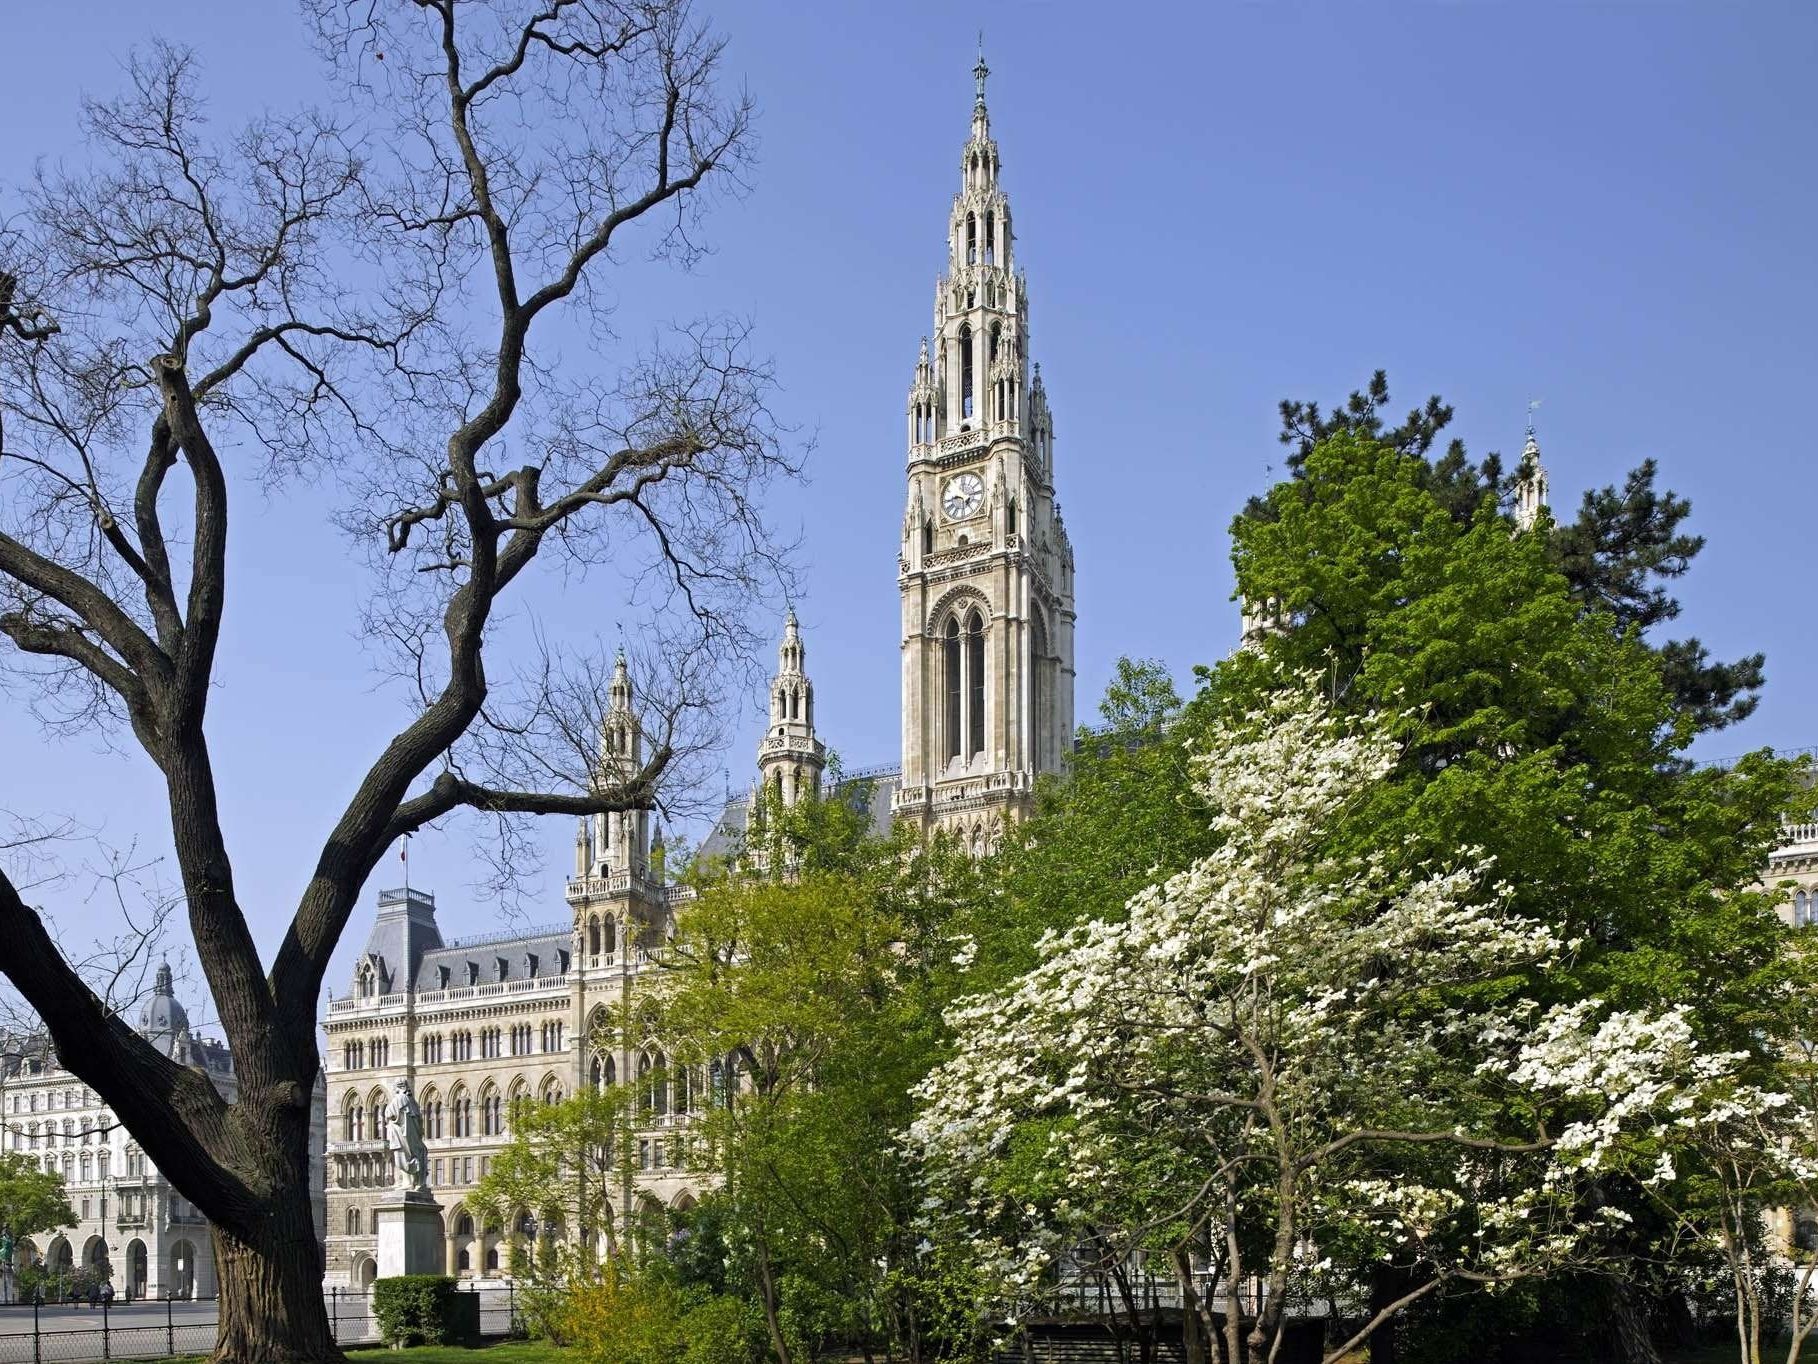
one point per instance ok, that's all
(530, 965)
(504, 967)
(442, 976)
(473, 973)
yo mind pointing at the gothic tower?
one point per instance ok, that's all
(985, 570)
(617, 844)
(790, 758)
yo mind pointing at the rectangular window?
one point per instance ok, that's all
(467, 1170)
(436, 1174)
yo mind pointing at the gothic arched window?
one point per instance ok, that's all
(975, 685)
(971, 239)
(1802, 911)
(990, 238)
(965, 350)
(950, 671)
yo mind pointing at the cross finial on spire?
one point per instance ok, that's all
(980, 71)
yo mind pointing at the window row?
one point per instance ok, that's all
(91, 1131)
(359, 1054)
(55, 1098)
(521, 1039)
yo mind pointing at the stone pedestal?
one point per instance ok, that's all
(8, 1285)
(410, 1236)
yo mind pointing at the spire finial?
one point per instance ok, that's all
(1531, 442)
(980, 71)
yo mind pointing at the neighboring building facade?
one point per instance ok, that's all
(146, 1238)
(985, 575)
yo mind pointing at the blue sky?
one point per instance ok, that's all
(1606, 207)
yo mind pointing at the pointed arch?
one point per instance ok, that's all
(967, 368)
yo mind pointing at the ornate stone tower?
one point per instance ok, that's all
(1531, 489)
(985, 571)
(790, 758)
(612, 893)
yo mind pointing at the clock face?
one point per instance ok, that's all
(963, 496)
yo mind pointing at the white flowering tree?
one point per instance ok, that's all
(1739, 1177)
(1285, 1066)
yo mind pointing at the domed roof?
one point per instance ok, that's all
(162, 1018)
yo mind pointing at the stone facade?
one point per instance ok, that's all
(131, 1223)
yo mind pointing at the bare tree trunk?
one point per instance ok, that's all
(1235, 1352)
(767, 1293)
(271, 1308)
(1387, 1283)
(1629, 1333)
(1192, 1328)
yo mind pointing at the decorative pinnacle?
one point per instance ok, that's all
(980, 71)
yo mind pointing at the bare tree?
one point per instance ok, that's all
(368, 298)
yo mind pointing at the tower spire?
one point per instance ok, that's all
(1530, 479)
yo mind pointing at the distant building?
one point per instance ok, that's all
(132, 1225)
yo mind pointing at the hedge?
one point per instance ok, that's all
(420, 1309)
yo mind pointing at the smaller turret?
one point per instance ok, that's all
(924, 402)
(1530, 484)
(619, 840)
(790, 758)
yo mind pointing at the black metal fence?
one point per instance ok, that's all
(48, 1333)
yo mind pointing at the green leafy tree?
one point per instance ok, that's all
(565, 1169)
(804, 985)
(1536, 722)
(1619, 553)
(31, 1199)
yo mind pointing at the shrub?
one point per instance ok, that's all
(725, 1330)
(622, 1318)
(417, 1309)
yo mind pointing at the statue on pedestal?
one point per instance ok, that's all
(404, 1136)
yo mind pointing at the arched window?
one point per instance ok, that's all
(353, 1120)
(975, 680)
(971, 239)
(1010, 517)
(965, 352)
(593, 936)
(490, 1113)
(460, 1108)
(954, 684)
(928, 536)
(990, 238)
(1802, 910)
(353, 1221)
